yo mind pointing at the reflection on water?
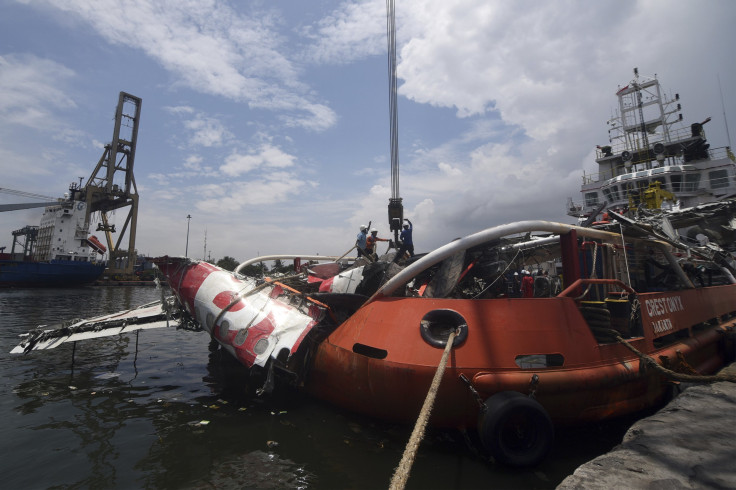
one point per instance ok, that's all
(163, 409)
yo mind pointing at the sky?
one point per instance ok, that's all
(268, 121)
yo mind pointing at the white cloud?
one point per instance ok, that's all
(352, 31)
(31, 89)
(449, 170)
(210, 47)
(267, 155)
(207, 131)
(271, 188)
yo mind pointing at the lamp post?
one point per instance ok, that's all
(186, 251)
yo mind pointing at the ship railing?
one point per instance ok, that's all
(621, 143)
(590, 178)
(575, 286)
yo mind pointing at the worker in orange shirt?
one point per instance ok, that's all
(370, 243)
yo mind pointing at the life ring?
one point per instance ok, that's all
(515, 429)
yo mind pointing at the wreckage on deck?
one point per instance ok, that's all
(368, 336)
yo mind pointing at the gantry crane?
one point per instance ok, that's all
(111, 186)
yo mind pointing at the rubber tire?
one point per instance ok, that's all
(515, 429)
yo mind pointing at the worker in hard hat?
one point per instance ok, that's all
(405, 239)
(370, 243)
(360, 242)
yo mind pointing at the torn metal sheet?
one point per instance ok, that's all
(152, 315)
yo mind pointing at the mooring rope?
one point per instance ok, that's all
(401, 474)
(699, 378)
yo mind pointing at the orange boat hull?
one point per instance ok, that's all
(391, 371)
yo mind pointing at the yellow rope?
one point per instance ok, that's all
(401, 474)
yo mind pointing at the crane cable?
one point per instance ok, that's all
(393, 106)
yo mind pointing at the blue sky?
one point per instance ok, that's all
(267, 121)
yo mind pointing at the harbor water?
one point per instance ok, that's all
(166, 409)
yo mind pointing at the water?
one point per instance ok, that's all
(164, 409)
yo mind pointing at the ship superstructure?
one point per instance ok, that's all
(651, 150)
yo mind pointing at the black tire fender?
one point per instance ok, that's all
(515, 429)
(436, 326)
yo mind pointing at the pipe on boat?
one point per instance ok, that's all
(264, 258)
(479, 238)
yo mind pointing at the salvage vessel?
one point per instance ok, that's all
(58, 253)
(368, 336)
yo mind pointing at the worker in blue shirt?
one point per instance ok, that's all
(361, 240)
(407, 244)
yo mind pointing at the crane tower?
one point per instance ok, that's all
(111, 186)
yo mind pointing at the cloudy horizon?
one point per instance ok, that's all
(268, 122)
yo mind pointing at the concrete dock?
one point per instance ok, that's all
(690, 443)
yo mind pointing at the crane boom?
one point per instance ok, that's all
(5, 190)
(25, 205)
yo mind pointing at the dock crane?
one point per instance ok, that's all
(111, 186)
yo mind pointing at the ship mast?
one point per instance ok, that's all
(395, 207)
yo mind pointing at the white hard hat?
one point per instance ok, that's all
(363, 227)
(374, 230)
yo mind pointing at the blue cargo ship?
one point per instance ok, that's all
(52, 273)
(58, 253)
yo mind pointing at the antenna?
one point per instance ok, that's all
(728, 133)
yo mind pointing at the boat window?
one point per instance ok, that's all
(614, 192)
(642, 184)
(718, 179)
(676, 181)
(691, 182)
(591, 198)
(607, 194)
(538, 361)
(368, 351)
(658, 170)
(643, 173)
